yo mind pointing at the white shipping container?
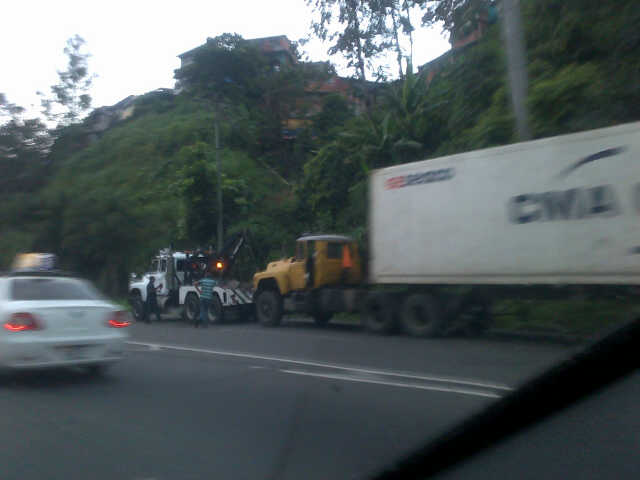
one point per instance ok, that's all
(561, 210)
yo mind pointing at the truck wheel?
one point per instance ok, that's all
(379, 315)
(137, 307)
(421, 315)
(191, 309)
(216, 312)
(269, 308)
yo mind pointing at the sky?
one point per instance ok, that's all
(134, 44)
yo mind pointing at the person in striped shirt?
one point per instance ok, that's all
(205, 288)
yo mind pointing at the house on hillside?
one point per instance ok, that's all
(279, 50)
(315, 94)
(281, 53)
(103, 118)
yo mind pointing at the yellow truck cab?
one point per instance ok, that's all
(298, 284)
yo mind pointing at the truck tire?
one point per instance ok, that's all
(379, 313)
(422, 316)
(216, 311)
(269, 308)
(191, 309)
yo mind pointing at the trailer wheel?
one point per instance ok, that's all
(421, 315)
(269, 308)
(379, 315)
(216, 311)
(191, 309)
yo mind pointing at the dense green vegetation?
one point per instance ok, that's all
(106, 205)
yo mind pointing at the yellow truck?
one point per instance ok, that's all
(325, 277)
(299, 284)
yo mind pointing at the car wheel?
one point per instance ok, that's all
(216, 312)
(191, 309)
(421, 315)
(269, 308)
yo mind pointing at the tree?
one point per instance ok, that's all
(335, 112)
(227, 68)
(363, 29)
(452, 13)
(69, 99)
(224, 73)
(23, 149)
(198, 191)
(407, 26)
(9, 110)
(393, 7)
(24, 145)
(392, 20)
(358, 36)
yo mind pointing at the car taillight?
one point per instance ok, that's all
(21, 321)
(119, 320)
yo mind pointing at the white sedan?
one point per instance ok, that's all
(56, 321)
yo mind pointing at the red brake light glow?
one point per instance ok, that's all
(21, 321)
(119, 320)
(219, 265)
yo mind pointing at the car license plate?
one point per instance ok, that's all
(74, 352)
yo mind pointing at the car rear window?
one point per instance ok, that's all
(52, 289)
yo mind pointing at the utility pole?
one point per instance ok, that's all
(219, 180)
(516, 65)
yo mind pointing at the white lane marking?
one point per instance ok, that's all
(394, 384)
(428, 378)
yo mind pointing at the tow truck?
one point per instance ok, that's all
(175, 274)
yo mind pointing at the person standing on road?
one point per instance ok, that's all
(205, 288)
(151, 305)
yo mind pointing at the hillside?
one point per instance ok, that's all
(150, 180)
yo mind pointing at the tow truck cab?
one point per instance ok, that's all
(169, 271)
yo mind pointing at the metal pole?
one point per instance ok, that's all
(516, 65)
(219, 185)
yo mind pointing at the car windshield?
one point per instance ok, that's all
(367, 221)
(52, 289)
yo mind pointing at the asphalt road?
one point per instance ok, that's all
(244, 402)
